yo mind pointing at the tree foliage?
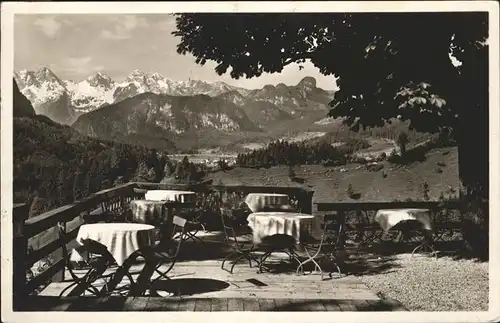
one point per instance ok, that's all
(282, 152)
(54, 166)
(389, 65)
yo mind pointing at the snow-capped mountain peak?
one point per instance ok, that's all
(157, 76)
(136, 76)
(25, 78)
(101, 80)
(47, 93)
(65, 100)
(24, 74)
(91, 93)
(46, 74)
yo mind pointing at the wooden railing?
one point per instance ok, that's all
(358, 217)
(299, 197)
(45, 224)
(74, 214)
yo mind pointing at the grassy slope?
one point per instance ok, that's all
(330, 185)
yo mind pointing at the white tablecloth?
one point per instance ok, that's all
(171, 195)
(264, 224)
(257, 201)
(121, 239)
(389, 218)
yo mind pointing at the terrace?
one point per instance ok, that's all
(197, 282)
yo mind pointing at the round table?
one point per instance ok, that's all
(389, 218)
(171, 195)
(258, 201)
(148, 211)
(121, 239)
(265, 224)
(155, 213)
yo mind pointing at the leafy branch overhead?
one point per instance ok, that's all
(400, 62)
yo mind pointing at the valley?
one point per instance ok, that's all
(393, 182)
(151, 110)
(209, 122)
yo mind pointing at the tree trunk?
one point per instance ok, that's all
(473, 151)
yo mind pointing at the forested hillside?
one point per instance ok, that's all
(55, 165)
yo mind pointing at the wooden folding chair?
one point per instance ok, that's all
(84, 279)
(326, 247)
(114, 209)
(276, 243)
(242, 248)
(167, 255)
(193, 225)
(155, 257)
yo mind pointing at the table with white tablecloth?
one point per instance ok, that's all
(264, 224)
(121, 239)
(154, 213)
(258, 201)
(391, 217)
(171, 195)
(148, 212)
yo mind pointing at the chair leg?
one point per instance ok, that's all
(224, 261)
(173, 261)
(293, 255)
(227, 258)
(67, 287)
(250, 257)
(262, 259)
(317, 267)
(310, 259)
(242, 256)
(423, 246)
(163, 274)
(94, 291)
(195, 238)
(190, 235)
(331, 258)
(338, 270)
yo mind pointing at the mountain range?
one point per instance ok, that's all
(151, 105)
(65, 100)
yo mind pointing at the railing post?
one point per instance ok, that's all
(306, 201)
(19, 254)
(166, 227)
(58, 254)
(342, 235)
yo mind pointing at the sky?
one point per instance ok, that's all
(76, 46)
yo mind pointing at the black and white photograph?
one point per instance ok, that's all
(250, 157)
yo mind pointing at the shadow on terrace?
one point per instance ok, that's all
(197, 282)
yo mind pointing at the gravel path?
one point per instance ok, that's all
(429, 284)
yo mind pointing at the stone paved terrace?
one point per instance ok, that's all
(199, 284)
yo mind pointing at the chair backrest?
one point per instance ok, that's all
(332, 228)
(89, 246)
(114, 207)
(178, 222)
(226, 216)
(139, 193)
(109, 204)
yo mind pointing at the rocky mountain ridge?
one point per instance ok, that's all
(151, 106)
(65, 100)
